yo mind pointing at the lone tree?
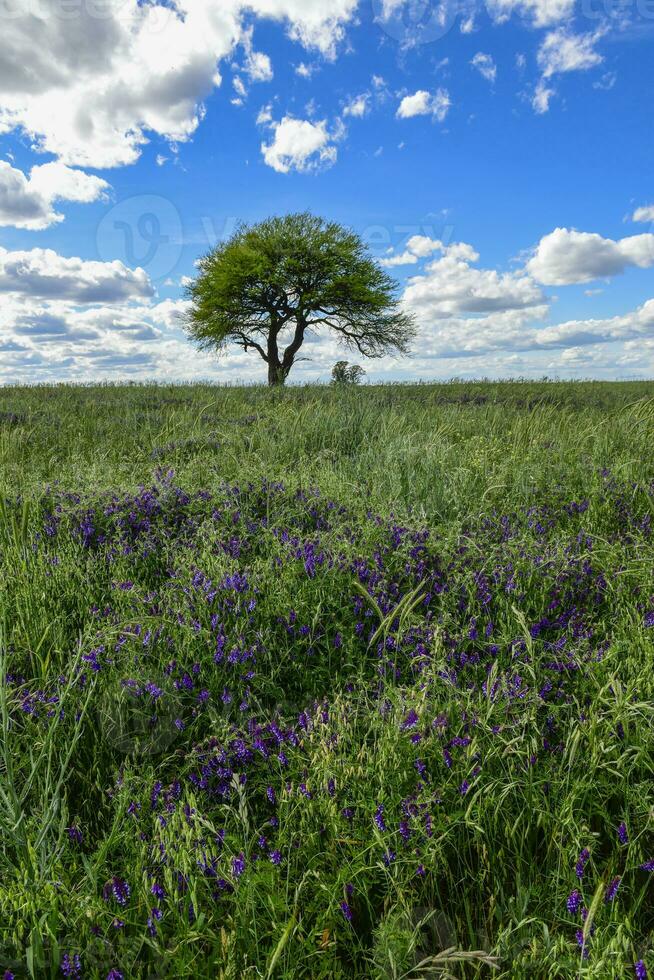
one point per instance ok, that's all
(273, 282)
(347, 374)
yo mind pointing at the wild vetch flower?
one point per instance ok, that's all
(8, 975)
(75, 834)
(71, 966)
(389, 857)
(583, 945)
(640, 970)
(410, 721)
(270, 793)
(648, 866)
(573, 902)
(275, 857)
(347, 911)
(612, 890)
(379, 818)
(120, 890)
(238, 865)
(581, 863)
(115, 975)
(623, 834)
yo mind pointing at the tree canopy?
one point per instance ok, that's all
(272, 283)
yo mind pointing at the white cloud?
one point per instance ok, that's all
(304, 70)
(542, 13)
(423, 103)
(418, 247)
(357, 107)
(450, 286)
(265, 115)
(562, 51)
(644, 214)
(566, 256)
(542, 97)
(485, 66)
(27, 202)
(300, 145)
(43, 273)
(90, 88)
(258, 66)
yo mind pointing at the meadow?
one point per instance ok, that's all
(327, 682)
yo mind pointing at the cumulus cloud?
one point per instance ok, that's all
(89, 89)
(258, 66)
(300, 145)
(43, 273)
(27, 202)
(542, 13)
(485, 66)
(421, 246)
(562, 51)
(542, 97)
(423, 103)
(452, 286)
(566, 256)
(358, 106)
(645, 214)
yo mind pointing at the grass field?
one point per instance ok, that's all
(322, 683)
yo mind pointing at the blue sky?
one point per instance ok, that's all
(496, 157)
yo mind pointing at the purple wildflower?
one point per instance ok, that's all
(115, 975)
(612, 890)
(573, 902)
(581, 942)
(648, 866)
(238, 865)
(276, 857)
(347, 911)
(120, 890)
(623, 834)
(75, 834)
(640, 970)
(379, 818)
(410, 721)
(71, 966)
(581, 863)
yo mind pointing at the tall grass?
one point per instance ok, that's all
(327, 682)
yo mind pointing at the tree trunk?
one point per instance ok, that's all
(276, 374)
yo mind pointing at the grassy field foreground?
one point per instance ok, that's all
(326, 683)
